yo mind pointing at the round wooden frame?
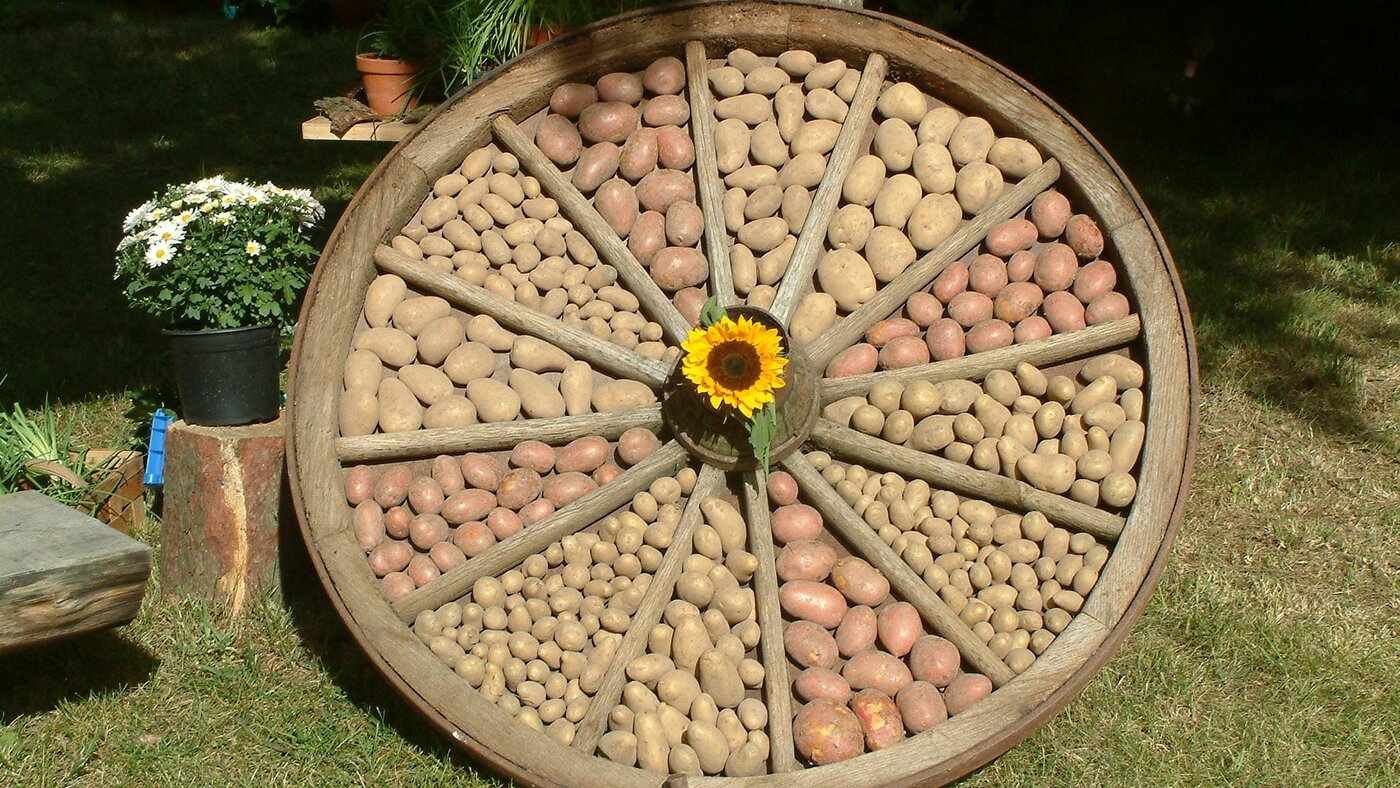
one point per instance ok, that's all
(942, 67)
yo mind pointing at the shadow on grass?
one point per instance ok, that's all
(116, 105)
(43, 678)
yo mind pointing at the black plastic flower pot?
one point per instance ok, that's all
(226, 376)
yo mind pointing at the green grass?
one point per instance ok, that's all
(1267, 655)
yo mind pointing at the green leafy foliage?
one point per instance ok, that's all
(761, 431)
(711, 312)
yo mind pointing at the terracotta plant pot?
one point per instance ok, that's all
(387, 83)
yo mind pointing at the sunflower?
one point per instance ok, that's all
(736, 363)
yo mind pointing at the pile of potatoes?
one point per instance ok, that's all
(691, 704)
(417, 363)
(417, 520)
(867, 672)
(1016, 580)
(489, 223)
(928, 166)
(777, 121)
(538, 640)
(1082, 439)
(1036, 275)
(625, 142)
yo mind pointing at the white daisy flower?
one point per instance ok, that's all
(138, 215)
(254, 197)
(171, 231)
(126, 242)
(209, 207)
(159, 254)
(197, 198)
(177, 204)
(185, 217)
(228, 200)
(253, 248)
(225, 218)
(157, 214)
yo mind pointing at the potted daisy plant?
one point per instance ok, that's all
(223, 262)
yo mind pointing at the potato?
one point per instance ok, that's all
(621, 395)
(751, 108)
(904, 352)
(846, 277)
(978, 185)
(1052, 473)
(1063, 312)
(468, 362)
(796, 522)
(1016, 158)
(805, 559)
(899, 627)
(894, 143)
(825, 731)
(1010, 236)
(879, 718)
(396, 521)
(676, 268)
(660, 188)
(369, 525)
(359, 411)
(732, 141)
(617, 203)
(466, 505)
(675, 150)
(595, 165)
(684, 224)
(426, 530)
(639, 154)
(710, 747)
(453, 410)
(1093, 280)
(824, 104)
(812, 601)
(636, 444)
(1109, 306)
(876, 670)
(898, 197)
(809, 644)
(969, 308)
(850, 227)
(804, 169)
(859, 582)
(965, 690)
(987, 335)
(391, 345)
(987, 274)
(399, 410)
(863, 182)
(666, 111)
(382, 296)
(1084, 236)
(494, 401)
(1017, 301)
(855, 360)
(797, 62)
(558, 139)
(920, 706)
(607, 121)
(946, 340)
(970, 141)
(427, 383)
(1055, 268)
(1050, 212)
(933, 218)
(391, 556)
(857, 631)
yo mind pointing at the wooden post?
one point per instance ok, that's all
(62, 572)
(223, 503)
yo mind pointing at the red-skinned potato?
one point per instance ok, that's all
(825, 731)
(946, 340)
(899, 627)
(879, 719)
(466, 505)
(448, 474)
(473, 538)
(965, 690)
(1084, 236)
(369, 525)
(425, 495)
(1094, 279)
(359, 485)
(814, 683)
(934, 660)
(519, 488)
(904, 352)
(796, 521)
(1063, 312)
(860, 582)
(809, 644)
(876, 670)
(571, 98)
(920, 706)
(1050, 212)
(396, 586)
(503, 522)
(857, 631)
(989, 335)
(811, 601)
(1109, 306)
(391, 489)
(538, 456)
(952, 281)
(422, 571)
(1055, 268)
(427, 530)
(482, 471)
(1010, 236)
(924, 309)
(805, 559)
(857, 359)
(390, 556)
(782, 488)
(1032, 328)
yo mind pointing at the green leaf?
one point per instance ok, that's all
(761, 431)
(711, 312)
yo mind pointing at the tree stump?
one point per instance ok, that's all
(223, 500)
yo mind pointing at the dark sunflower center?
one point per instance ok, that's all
(734, 365)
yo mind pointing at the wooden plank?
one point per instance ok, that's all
(797, 280)
(658, 594)
(905, 582)
(708, 183)
(319, 128)
(492, 437)
(892, 297)
(777, 688)
(965, 480)
(63, 573)
(589, 222)
(521, 319)
(578, 515)
(1055, 349)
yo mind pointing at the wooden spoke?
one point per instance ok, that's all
(798, 278)
(841, 518)
(777, 690)
(965, 480)
(709, 185)
(916, 277)
(1052, 350)
(654, 601)
(589, 222)
(493, 437)
(581, 345)
(578, 515)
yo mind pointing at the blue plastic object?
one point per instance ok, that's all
(155, 455)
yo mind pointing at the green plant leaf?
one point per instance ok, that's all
(761, 431)
(711, 312)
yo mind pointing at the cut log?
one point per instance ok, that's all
(62, 572)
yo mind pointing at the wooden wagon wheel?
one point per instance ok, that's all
(1007, 398)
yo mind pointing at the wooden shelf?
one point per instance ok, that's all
(319, 128)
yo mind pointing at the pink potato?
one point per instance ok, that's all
(1109, 306)
(987, 275)
(665, 75)
(924, 309)
(636, 444)
(659, 188)
(1050, 212)
(425, 495)
(503, 523)
(1093, 280)
(1017, 301)
(825, 731)
(1032, 328)
(536, 511)
(899, 626)
(965, 690)
(809, 644)
(482, 471)
(596, 165)
(782, 488)
(391, 489)
(467, 505)
(857, 359)
(616, 202)
(607, 121)
(518, 488)
(620, 86)
(606, 473)
(1010, 236)
(805, 559)
(648, 237)
(558, 139)
(879, 719)
(427, 530)
(970, 308)
(921, 706)
(448, 474)
(571, 98)
(565, 488)
(390, 556)
(811, 601)
(1063, 312)
(952, 281)
(678, 267)
(859, 582)
(945, 340)
(422, 571)
(675, 149)
(666, 111)
(1055, 268)
(584, 455)
(814, 683)
(689, 302)
(904, 352)
(934, 660)
(359, 485)
(396, 522)
(638, 155)
(1084, 236)
(473, 538)
(877, 670)
(1021, 266)
(447, 556)
(369, 525)
(989, 335)
(796, 521)
(396, 586)
(858, 631)
(884, 331)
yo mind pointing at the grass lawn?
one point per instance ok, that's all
(1267, 656)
